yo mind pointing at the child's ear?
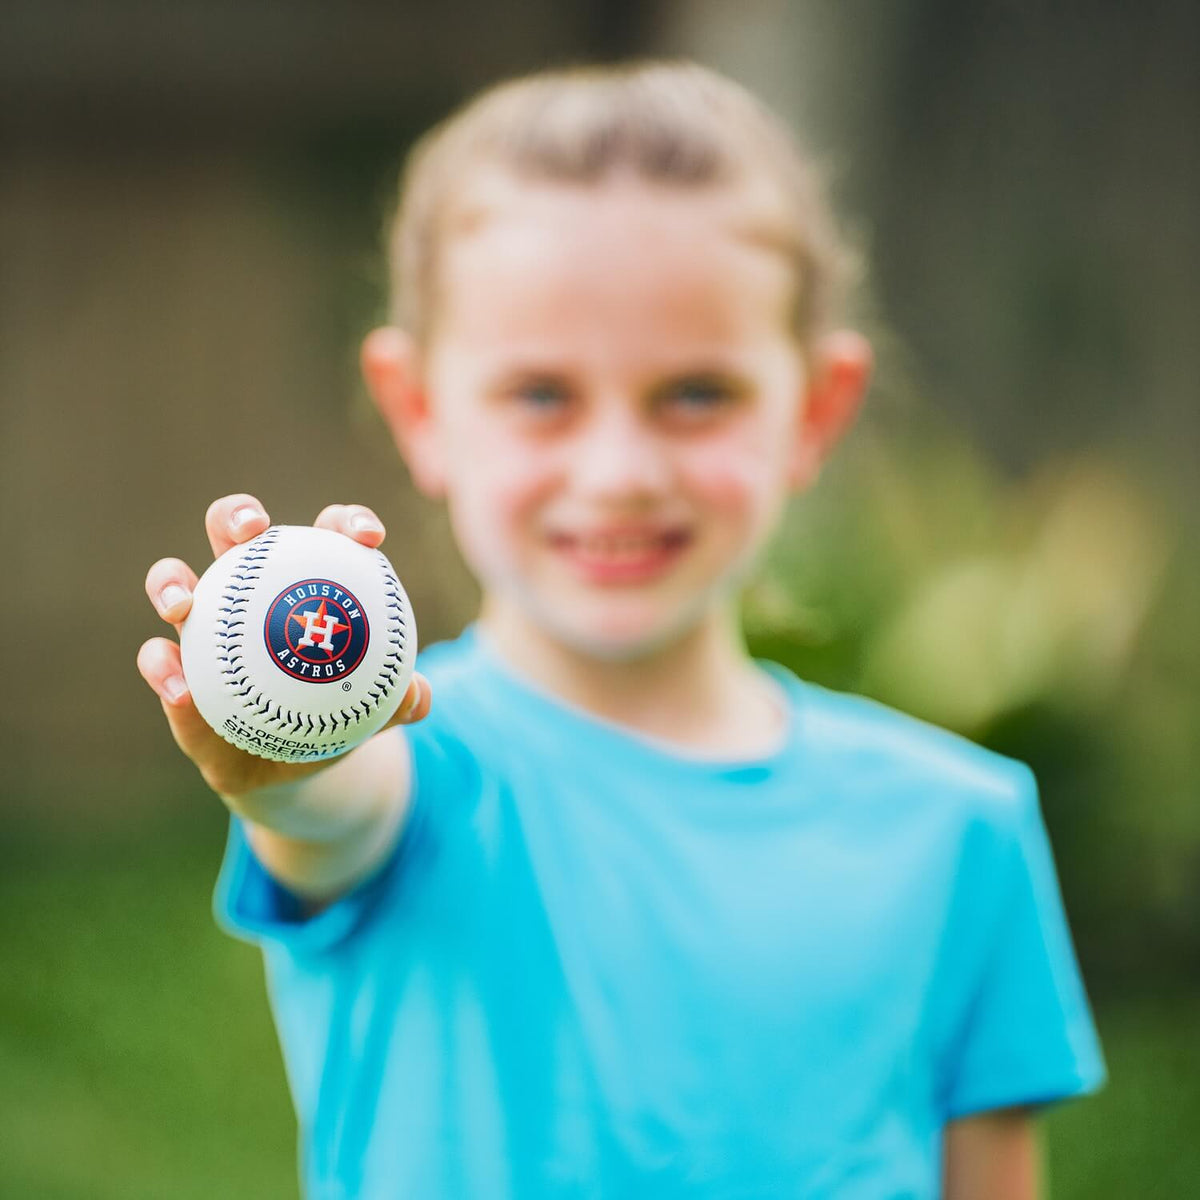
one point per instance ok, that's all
(838, 376)
(392, 370)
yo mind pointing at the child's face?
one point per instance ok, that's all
(615, 405)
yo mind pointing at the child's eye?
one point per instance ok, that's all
(541, 396)
(700, 397)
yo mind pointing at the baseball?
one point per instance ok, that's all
(299, 645)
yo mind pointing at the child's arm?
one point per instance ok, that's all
(317, 827)
(993, 1156)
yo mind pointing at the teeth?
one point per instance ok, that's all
(618, 547)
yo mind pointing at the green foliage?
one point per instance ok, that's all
(1055, 619)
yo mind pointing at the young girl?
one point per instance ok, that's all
(628, 913)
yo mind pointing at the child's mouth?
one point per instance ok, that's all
(619, 557)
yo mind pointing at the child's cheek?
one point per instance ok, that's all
(495, 502)
(731, 478)
(478, 529)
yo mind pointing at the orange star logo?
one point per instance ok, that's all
(329, 626)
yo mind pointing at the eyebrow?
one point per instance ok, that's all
(702, 369)
(520, 373)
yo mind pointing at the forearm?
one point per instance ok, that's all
(320, 835)
(993, 1156)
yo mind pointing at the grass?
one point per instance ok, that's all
(137, 1057)
(1137, 1137)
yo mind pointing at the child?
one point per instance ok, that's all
(630, 914)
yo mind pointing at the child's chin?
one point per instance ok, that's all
(620, 637)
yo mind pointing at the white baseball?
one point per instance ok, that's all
(300, 644)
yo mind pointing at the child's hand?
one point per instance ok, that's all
(230, 772)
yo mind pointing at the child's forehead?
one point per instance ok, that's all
(496, 204)
(621, 236)
(612, 266)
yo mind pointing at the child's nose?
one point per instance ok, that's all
(617, 458)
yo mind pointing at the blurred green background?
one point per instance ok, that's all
(190, 203)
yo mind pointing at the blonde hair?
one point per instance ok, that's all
(673, 123)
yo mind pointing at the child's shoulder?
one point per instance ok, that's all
(450, 664)
(475, 702)
(858, 735)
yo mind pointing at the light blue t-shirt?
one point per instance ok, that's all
(595, 967)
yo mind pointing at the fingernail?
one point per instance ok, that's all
(243, 516)
(411, 701)
(365, 523)
(174, 688)
(170, 596)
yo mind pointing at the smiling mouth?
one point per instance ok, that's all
(621, 556)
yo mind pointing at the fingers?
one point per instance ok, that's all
(169, 584)
(354, 520)
(160, 666)
(415, 706)
(240, 517)
(233, 520)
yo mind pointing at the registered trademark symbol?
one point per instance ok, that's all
(346, 686)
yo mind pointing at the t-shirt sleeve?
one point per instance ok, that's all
(255, 907)
(1028, 1036)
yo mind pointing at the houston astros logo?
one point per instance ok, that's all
(317, 631)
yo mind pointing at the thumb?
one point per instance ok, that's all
(415, 706)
